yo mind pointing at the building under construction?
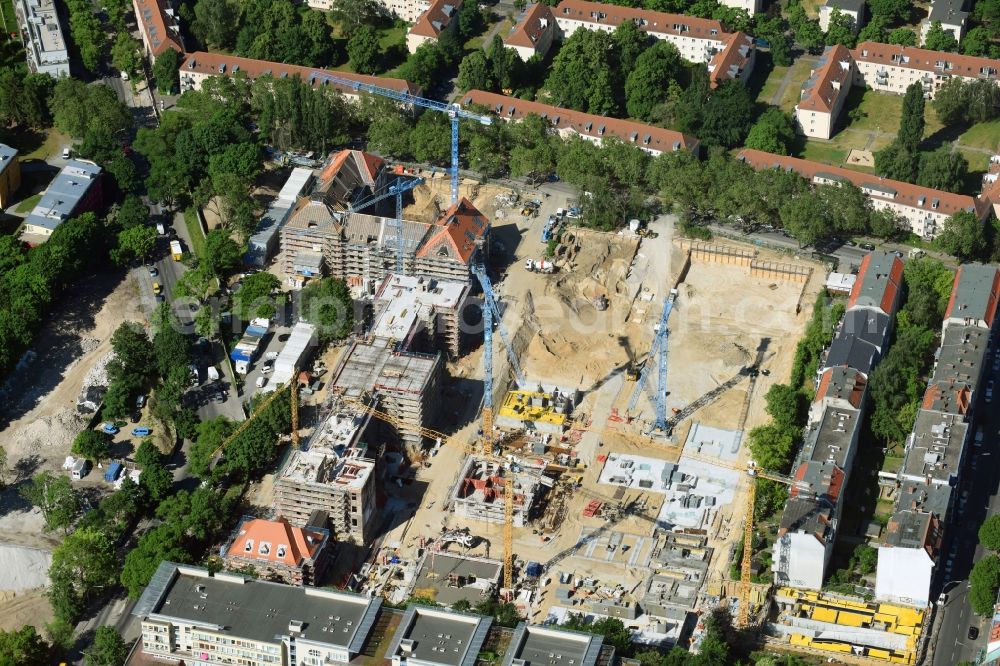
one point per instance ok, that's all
(542, 410)
(404, 385)
(416, 313)
(479, 492)
(337, 232)
(335, 475)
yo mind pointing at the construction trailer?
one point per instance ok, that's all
(479, 492)
(419, 313)
(301, 344)
(246, 349)
(404, 385)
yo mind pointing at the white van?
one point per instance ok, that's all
(80, 469)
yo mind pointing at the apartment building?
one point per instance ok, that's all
(952, 16)
(808, 526)
(418, 314)
(893, 68)
(751, 7)
(824, 92)
(75, 190)
(200, 65)
(335, 474)
(407, 10)
(192, 616)
(277, 551)
(852, 9)
(436, 637)
(567, 123)
(159, 27)
(935, 450)
(10, 175)
(533, 33)
(441, 16)
(42, 35)
(922, 209)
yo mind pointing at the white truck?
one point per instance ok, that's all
(246, 349)
(176, 251)
(539, 266)
(213, 374)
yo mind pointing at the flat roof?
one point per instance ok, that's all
(259, 610)
(367, 366)
(908, 529)
(408, 299)
(433, 573)
(934, 448)
(436, 636)
(544, 646)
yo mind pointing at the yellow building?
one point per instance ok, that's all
(10, 175)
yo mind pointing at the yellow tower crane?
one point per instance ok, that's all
(754, 472)
(485, 452)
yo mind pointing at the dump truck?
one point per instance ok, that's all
(175, 250)
(539, 266)
(246, 349)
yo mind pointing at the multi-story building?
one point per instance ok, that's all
(567, 123)
(10, 175)
(936, 449)
(751, 7)
(76, 189)
(42, 36)
(407, 10)
(436, 637)
(824, 92)
(923, 210)
(952, 16)
(893, 68)
(478, 493)
(200, 65)
(159, 27)
(441, 16)
(419, 314)
(189, 614)
(336, 475)
(809, 523)
(533, 33)
(277, 551)
(852, 9)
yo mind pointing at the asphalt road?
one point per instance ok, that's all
(952, 644)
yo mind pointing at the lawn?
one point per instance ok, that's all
(391, 36)
(881, 112)
(35, 145)
(195, 232)
(7, 12)
(771, 85)
(28, 204)
(983, 135)
(800, 72)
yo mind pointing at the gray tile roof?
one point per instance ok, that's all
(64, 194)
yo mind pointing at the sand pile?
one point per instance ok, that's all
(23, 568)
(47, 432)
(98, 374)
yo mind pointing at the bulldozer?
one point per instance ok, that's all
(632, 368)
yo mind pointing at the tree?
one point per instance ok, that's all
(475, 72)
(772, 446)
(78, 108)
(911, 122)
(984, 580)
(214, 21)
(134, 244)
(24, 647)
(108, 649)
(92, 445)
(892, 11)
(806, 218)
(581, 74)
(470, 21)
(364, 51)
(82, 566)
(950, 101)
(903, 37)
(156, 480)
(613, 630)
(840, 29)
(327, 304)
(630, 43)
(125, 53)
(989, 533)
(355, 13)
(430, 140)
(222, 254)
(727, 115)
(166, 72)
(123, 170)
(963, 236)
(943, 169)
(982, 100)
(785, 404)
(55, 498)
(148, 454)
(874, 31)
(773, 132)
(423, 65)
(87, 33)
(649, 80)
(939, 39)
(809, 35)
(896, 162)
(255, 299)
(977, 42)
(884, 223)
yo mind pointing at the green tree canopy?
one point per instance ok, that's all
(984, 580)
(989, 533)
(911, 122)
(55, 497)
(939, 39)
(24, 647)
(327, 304)
(108, 648)
(943, 169)
(963, 236)
(649, 81)
(773, 132)
(83, 566)
(364, 50)
(166, 72)
(903, 37)
(92, 445)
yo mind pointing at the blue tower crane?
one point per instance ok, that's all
(397, 189)
(454, 111)
(659, 352)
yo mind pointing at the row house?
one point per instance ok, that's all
(892, 68)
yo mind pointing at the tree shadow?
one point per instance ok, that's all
(26, 140)
(943, 136)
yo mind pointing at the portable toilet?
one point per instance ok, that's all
(111, 474)
(80, 469)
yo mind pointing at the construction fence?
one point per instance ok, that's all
(734, 256)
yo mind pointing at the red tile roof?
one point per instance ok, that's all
(436, 19)
(906, 194)
(456, 233)
(536, 22)
(369, 165)
(211, 63)
(911, 57)
(275, 541)
(734, 57)
(895, 279)
(857, 388)
(643, 136)
(829, 81)
(157, 26)
(647, 20)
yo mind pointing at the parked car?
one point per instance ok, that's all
(110, 429)
(141, 431)
(140, 402)
(66, 153)
(867, 246)
(153, 272)
(267, 367)
(261, 381)
(973, 633)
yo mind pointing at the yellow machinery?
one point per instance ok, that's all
(486, 452)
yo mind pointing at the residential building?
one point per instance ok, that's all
(751, 7)
(567, 123)
(189, 614)
(993, 642)
(10, 175)
(450, 579)
(322, 5)
(75, 190)
(734, 62)
(159, 27)
(437, 637)
(200, 65)
(935, 450)
(441, 16)
(808, 526)
(533, 33)
(407, 10)
(533, 644)
(42, 36)
(893, 68)
(852, 9)
(952, 16)
(277, 551)
(334, 474)
(824, 92)
(418, 314)
(923, 210)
